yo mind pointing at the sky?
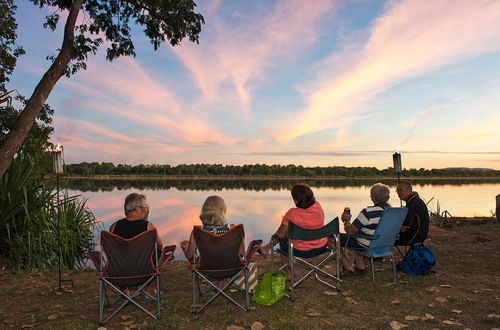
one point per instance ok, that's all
(312, 83)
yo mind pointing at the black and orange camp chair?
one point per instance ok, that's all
(218, 261)
(128, 266)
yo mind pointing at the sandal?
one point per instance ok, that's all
(261, 252)
(150, 299)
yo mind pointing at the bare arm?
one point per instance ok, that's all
(159, 242)
(112, 228)
(349, 228)
(188, 247)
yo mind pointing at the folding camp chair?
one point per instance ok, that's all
(129, 264)
(314, 266)
(218, 261)
(383, 239)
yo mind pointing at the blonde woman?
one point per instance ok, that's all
(213, 219)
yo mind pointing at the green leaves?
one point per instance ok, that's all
(165, 20)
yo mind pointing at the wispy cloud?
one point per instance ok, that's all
(412, 38)
(242, 53)
(125, 89)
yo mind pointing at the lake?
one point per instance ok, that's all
(260, 204)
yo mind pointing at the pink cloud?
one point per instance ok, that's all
(241, 54)
(412, 38)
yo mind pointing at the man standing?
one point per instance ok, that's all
(363, 226)
(416, 224)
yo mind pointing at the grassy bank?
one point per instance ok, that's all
(462, 293)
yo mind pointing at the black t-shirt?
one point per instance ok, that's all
(417, 219)
(130, 228)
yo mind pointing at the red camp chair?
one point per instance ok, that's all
(218, 261)
(129, 264)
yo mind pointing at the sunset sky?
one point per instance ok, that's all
(313, 83)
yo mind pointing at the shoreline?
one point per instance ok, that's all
(214, 177)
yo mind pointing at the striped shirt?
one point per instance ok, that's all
(366, 222)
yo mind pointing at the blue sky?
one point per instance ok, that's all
(287, 82)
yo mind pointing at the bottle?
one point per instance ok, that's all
(347, 210)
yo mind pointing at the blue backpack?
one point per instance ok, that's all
(419, 260)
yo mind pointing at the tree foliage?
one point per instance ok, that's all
(107, 168)
(9, 51)
(161, 20)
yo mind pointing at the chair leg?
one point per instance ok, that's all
(247, 295)
(102, 297)
(394, 270)
(158, 296)
(195, 291)
(339, 260)
(373, 272)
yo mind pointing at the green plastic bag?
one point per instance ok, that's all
(270, 289)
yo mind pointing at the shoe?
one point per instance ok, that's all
(122, 300)
(150, 299)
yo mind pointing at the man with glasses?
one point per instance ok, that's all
(136, 219)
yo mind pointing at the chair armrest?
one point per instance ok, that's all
(252, 248)
(95, 257)
(167, 254)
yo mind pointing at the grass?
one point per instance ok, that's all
(464, 289)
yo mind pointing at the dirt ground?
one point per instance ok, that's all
(462, 293)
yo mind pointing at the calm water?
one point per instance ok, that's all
(260, 205)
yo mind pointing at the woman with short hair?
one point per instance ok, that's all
(307, 214)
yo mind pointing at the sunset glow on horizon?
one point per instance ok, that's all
(323, 83)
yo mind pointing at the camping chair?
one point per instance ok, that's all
(218, 262)
(129, 264)
(313, 266)
(383, 239)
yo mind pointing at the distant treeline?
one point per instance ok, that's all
(95, 168)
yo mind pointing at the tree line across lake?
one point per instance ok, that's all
(108, 168)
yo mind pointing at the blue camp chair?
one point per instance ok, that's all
(383, 239)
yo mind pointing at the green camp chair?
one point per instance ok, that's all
(315, 264)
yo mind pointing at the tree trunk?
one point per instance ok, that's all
(15, 138)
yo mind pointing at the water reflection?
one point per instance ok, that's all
(175, 209)
(245, 184)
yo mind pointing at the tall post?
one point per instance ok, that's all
(58, 167)
(497, 211)
(396, 159)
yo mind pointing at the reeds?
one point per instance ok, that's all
(29, 221)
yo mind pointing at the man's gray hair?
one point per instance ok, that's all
(379, 193)
(132, 201)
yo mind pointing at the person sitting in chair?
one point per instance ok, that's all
(307, 214)
(136, 222)
(416, 225)
(136, 219)
(213, 219)
(361, 229)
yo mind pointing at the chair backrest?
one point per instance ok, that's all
(296, 232)
(387, 231)
(219, 256)
(129, 261)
